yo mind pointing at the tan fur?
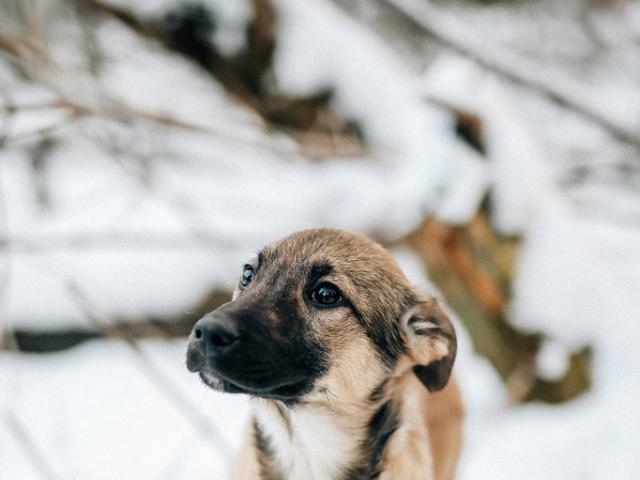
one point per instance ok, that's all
(246, 465)
(445, 412)
(425, 447)
(407, 455)
(430, 438)
(354, 370)
(323, 435)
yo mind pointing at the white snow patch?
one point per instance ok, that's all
(96, 415)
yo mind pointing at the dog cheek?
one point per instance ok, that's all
(354, 369)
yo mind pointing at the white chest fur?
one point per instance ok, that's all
(310, 444)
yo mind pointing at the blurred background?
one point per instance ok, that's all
(148, 148)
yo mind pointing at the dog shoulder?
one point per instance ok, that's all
(408, 454)
(444, 412)
(323, 441)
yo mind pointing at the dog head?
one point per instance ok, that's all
(323, 313)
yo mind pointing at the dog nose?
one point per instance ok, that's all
(211, 336)
(213, 333)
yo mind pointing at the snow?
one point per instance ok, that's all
(518, 175)
(95, 414)
(217, 195)
(146, 218)
(552, 359)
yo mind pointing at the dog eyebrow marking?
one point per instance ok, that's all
(317, 272)
(320, 270)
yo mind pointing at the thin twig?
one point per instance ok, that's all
(7, 337)
(234, 84)
(31, 450)
(119, 111)
(25, 54)
(112, 240)
(201, 423)
(449, 32)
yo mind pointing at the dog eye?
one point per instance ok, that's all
(247, 275)
(326, 295)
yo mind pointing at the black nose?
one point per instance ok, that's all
(214, 333)
(212, 336)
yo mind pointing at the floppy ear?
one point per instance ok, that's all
(431, 342)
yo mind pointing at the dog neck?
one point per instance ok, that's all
(326, 441)
(306, 441)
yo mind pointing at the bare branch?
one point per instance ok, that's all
(119, 240)
(201, 423)
(31, 450)
(449, 32)
(319, 144)
(7, 337)
(119, 111)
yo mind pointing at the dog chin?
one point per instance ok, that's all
(221, 385)
(289, 393)
(212, 381)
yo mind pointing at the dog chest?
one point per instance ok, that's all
(307, 443)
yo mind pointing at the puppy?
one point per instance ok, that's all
(339, 355)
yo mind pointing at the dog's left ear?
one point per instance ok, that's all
(431, 342)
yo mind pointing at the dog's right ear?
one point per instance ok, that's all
(431, 342)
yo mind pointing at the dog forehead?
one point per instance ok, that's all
(339, 248)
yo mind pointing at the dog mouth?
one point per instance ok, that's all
(283, 391)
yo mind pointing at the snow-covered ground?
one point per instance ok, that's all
(144, 217)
